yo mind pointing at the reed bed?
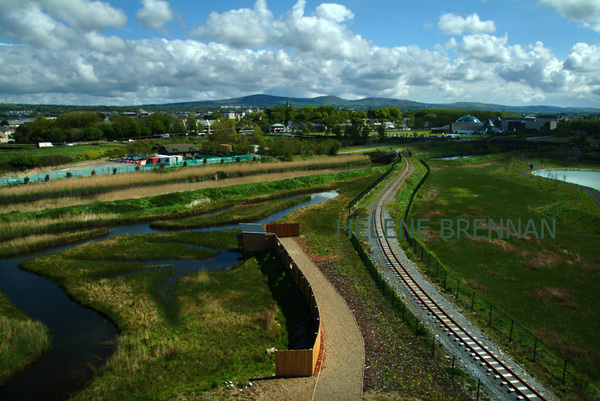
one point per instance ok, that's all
(100, 184)
(32, 243)
(160, 207)
(222, 323)
(21, 339)
(19, 228)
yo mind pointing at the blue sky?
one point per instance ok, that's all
(156, 51)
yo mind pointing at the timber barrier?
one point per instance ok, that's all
(257, 238)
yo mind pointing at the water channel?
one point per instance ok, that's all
(82, 338)
(586, 178)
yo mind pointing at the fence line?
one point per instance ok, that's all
(373, 185)
(293, 363)
(501, 325)
(125, 168)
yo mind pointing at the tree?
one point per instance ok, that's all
(381, 132)
(192, 123)
(365, 131)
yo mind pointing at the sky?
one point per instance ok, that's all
(131, 52)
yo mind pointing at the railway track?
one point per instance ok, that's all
(490, 363)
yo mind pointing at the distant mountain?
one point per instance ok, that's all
(266, 101)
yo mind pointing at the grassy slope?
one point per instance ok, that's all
(548, 285)
(21, 340)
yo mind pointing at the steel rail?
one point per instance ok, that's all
(477, 350)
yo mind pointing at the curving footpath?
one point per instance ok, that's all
(341, 375)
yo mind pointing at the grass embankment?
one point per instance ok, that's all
(236, 214)
(225, 320)
(397, 365)
(174, 205)
(548, 285)
(21, 339)
(85, 190)
(19, 159)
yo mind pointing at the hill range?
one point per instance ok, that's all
(266, 101)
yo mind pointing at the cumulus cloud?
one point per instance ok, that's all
(487, 48)
(86, 15)
(452, 24)
(323, 31)
(301, 53)
(583, 57)
(155, 14)
(584, 11)
(241, 27)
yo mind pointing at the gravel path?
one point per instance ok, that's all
(493, 386)
(341, 375)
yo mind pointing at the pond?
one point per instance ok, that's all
(82, 338)
(586, 178)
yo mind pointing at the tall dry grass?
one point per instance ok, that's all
(26, 197)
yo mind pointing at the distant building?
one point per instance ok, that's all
(277, 127)
(466, 125)
(186, 149)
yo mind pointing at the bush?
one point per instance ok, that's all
(47, 178)
(69, 174)
(93, 173)
(26, 180)
(115, 170)
(94, 154)
(25, 162)
(137, 168)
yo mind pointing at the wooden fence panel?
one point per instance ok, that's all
(283, 230)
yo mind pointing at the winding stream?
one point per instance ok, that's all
(82, 339)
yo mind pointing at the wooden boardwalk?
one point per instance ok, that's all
(341, 375)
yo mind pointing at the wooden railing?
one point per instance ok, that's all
(294, 363)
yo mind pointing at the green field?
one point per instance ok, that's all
(10, 160)
(547, 285)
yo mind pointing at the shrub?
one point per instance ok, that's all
(137, 168)
(26, 180)
(94, 154)
(69, 174)
(93, 173)
(47, 178)
(23, 162)
(115, 170)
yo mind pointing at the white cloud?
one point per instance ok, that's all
(584, 11)
(583, 57)
(155, 14)
(322, 32)
(452, 24)
(301, 53)
(86, 15)
(487, 48)
(241, 27)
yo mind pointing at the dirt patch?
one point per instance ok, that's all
(265, 389)
(473, 283)
(433, 213)
(559, 294)
(544, 258)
